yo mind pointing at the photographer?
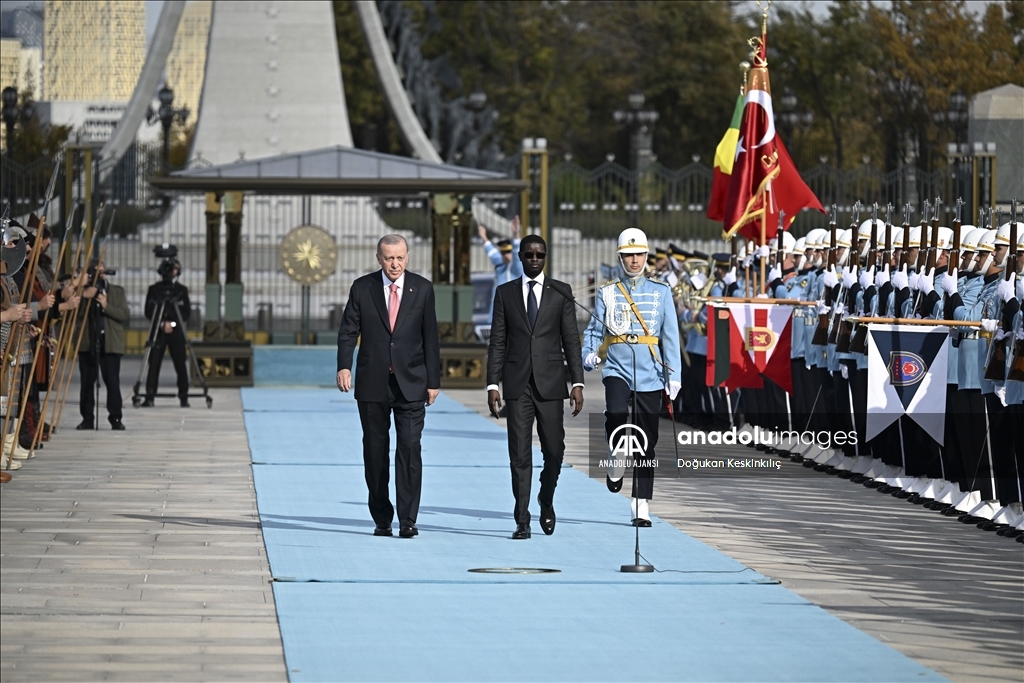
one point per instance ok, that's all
(167, 329)
(102, 344)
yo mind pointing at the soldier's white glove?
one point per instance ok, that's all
(926, 283)
(591, 361)
(989, 325)
(698, 280)
(763, 251)
(748, 260)
(673, 390)
(1006, 287)
(775, 273)
(849, 278)
(829, 278)
(1020, 289)
(1000, 334)
(867, 276)
(881, 277)
(948, 283)
(900, 280)
(821, 307)
(912, 281)
(730, 277)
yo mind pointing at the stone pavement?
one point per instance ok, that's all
(138, 555)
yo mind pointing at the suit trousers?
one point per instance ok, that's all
(522, 413)
(618, 404)
(110, 365)
(175, 343)
(375, 418)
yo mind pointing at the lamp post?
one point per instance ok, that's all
(166, 114)
(12, 113)
(640, 123)
(955, 116)
(790, 119)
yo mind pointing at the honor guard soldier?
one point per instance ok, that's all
(635, 315)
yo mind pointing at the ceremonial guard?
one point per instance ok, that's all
(636, 316)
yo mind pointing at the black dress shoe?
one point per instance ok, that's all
(184, 403)
(148, 403)
(640, 522)
(522, 531)
(950, 512)
(382, 530)
(796, 458)
(858, 479)
(83, 425)
(117, 426)
(408, 531)
(547, 519)
(613, 486)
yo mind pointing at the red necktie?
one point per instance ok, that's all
(393, 306)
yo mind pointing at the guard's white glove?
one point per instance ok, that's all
(673, 390)
(989, 325)
(1006, 287)
(900, 279)
(698, 280)
(1020, 289)
(829, 278)
(881, 277)
(821, 308)
(849, 278)
(775, 273)
(730, 277)
(1000, 334)
(867, 276)
(591, 361)
(844, 371)
(948, 283)
(763, 251)
(926, 283)
(762, 295)
(748, 260)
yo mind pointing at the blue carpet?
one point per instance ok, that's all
(356, 607)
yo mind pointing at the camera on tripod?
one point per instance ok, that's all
(169, 254)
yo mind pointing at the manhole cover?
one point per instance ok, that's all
(514, 570)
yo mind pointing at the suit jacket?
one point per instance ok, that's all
(413, 350)
(515, 351)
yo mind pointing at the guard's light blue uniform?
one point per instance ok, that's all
(971, 345)
(503, 272)
(653, 299)
(988, 306)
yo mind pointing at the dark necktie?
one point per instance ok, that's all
(531, 304)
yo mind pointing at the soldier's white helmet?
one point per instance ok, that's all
(814, 238)
(945, 238)
(801, 245)
(788, 243)
(843, 238)
(915, 237)
(864, 231)
(897, 237)
(1003, 235)
(969, 236)
(632, 241)
(987, 241)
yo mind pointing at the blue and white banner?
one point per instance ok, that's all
(907, 376)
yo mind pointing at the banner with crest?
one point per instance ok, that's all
(907, 376)
(748, 343)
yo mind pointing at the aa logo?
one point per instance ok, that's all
(627, 441)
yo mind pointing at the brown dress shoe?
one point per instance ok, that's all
(5, 477)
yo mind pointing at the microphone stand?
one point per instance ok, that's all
(637, 567)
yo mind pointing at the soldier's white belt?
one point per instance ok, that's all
(634, 339)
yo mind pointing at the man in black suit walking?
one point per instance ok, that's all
(533, 330)
(399, 364)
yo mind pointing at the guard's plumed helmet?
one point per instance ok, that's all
(632, 241)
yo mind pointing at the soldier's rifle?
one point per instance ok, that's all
(1016, 371)
(904, 263)
(820, 337)
(995, 368)
(839, 330)
(953, 265)
(859, 338)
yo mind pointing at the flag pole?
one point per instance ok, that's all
(764, 241)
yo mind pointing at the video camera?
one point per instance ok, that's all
(169, 253)
(95, 281)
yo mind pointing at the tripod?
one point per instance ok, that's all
(158, 321)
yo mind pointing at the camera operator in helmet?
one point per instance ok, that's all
(102, 344)
(167, 327)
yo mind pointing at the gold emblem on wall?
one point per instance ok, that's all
(308, 254)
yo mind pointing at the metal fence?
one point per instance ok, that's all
(587, 210)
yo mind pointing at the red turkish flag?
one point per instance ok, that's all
(764, 180)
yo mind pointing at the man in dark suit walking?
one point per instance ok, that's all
(399, 364)
(533, 330)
